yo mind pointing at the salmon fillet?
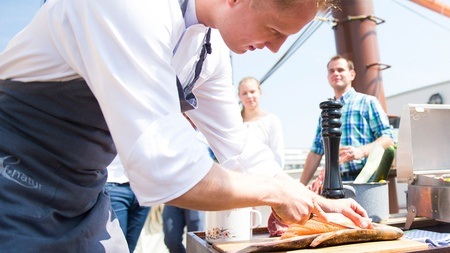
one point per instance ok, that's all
(314, 226)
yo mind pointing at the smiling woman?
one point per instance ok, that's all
(264, 125)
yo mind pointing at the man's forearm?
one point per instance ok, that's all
(290, 200)
(384, 141)
(311, 164)
(223, 189)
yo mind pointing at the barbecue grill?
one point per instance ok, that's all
(423, 161)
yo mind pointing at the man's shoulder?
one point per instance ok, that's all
(359, 94)
(365, 97)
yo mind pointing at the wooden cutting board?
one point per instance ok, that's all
(400, 245)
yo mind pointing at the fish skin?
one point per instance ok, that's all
(346, 236)
(380, 233)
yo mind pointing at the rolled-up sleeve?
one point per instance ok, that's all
(171, 160)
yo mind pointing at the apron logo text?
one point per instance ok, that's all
(15, 175)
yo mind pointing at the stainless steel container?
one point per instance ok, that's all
(423, 160)
(372, 197)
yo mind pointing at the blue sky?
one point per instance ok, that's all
(414, 41)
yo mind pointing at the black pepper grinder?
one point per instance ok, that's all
(331, 135)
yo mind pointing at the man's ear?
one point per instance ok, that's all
(353, 73)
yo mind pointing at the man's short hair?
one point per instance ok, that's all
(350, 64)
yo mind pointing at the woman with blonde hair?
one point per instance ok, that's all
(266, 126)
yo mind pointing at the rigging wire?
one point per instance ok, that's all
(302, 38)
(422, 16)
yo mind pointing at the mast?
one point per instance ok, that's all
(356, 39)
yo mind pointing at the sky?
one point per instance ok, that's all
(415, 41)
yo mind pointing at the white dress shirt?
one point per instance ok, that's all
(127, 52)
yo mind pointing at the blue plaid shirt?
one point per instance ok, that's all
(363, 121)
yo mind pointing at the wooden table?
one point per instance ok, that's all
(196, 242)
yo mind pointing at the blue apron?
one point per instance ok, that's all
(54, 150)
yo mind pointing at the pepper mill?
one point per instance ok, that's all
(331, 135)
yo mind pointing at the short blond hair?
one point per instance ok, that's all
(321, 4)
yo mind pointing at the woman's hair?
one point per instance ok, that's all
(248, 78)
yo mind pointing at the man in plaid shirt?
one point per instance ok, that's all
(364, 123)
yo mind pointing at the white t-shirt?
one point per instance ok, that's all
(125, 52)
(269, 130)
(116, 172)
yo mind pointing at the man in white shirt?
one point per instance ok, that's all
(88, 78)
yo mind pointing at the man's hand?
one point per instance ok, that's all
(348, 207)
(349, 153)
(297, 202)
(317, 184)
